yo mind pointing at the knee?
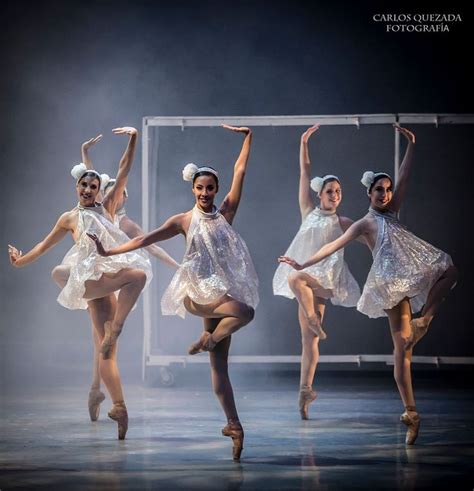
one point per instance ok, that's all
(294, 280)
(59, 276)
(139, 278)
(247, 313)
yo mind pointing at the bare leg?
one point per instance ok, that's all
(60, 275)
(439, 291)
(101, 311)
(309, 359)
(96, 396)
(232, 316)
(130, 282)
(399, 320)
(223, 388)
(306, 288)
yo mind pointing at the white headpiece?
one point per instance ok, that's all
(109, 182)
(80, 169)
(369, 177)
(317, 183)
(190, 170)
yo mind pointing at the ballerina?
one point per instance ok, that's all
(93, 280)
(60, 274)
(407, 274)
(331, 279)
(216, 280)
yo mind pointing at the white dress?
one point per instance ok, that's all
(86, 264)
(318, 228)
(216, 263)
(403, 266)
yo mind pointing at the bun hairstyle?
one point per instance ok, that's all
(370, 178)
(192, 171)
(317, 183)
(80, 170)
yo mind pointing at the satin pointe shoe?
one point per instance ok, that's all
(419, 328)
(315, 324)
(235, 431)
(307, 396)
(412, 421)
(204, 343)
(96, 397)
(110, 338)
(119, 414)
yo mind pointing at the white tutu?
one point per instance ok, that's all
(403, 266)
(86, 264)
(216, 263)
(318, 228)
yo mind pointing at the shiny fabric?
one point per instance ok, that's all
(216, 263)
(86, 264)
(318, 228)
(403, 266)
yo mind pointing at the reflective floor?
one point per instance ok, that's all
(352, 441)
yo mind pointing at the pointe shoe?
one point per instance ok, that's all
(419, 328)
(413, 424)
(307, 396)
(96, 397)
(204, 343)
(119, 413)
(316, 327)
(110, 338)
(236, 432)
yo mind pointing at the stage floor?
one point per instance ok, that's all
(352, 441)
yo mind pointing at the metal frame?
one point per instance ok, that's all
(305, 120)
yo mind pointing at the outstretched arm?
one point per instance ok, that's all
(352, 233)
(231, 202)
(85, 151)
(173, 226)
(115, 195)
(57, 234)
(133, 230)
(304, 194)
(405, 169)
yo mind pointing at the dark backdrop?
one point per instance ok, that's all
(74, 69)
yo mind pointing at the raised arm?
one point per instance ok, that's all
(172, 227)
(133, 230)
(85, 151)
(352, 233)
(405, 169)
(231, 202)
(57, 234)
(304, 195)
(115, 195)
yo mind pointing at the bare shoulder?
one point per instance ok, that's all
(68, 219)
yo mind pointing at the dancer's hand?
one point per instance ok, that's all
(14, 254)
(87, 144)
(125, 130)
(305, 136)
(98, 244)
(406, 133)
(291, 262)
(237, 129)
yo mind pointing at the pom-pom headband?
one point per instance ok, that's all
(190, 170)
(317, 183)
(369, 177)
(79, 170)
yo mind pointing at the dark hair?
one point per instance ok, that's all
(206, 173)
(380, 175)
(327, 181)
(89, 173)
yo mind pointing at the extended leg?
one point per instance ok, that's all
(399, 319)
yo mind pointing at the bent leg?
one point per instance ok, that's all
(130, 282)
(306, 290)
(60, 275)
(232, 316)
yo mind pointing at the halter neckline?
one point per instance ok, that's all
(206, 215)
(325, 212)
